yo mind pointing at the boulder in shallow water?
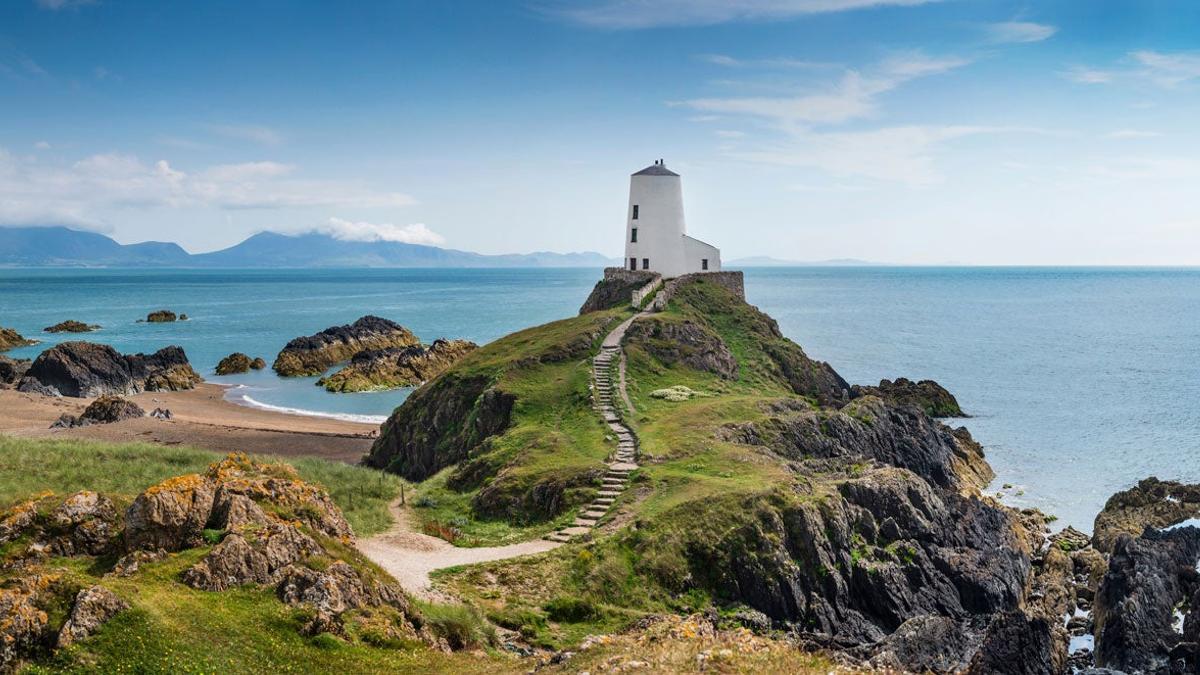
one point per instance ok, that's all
(234, 364)
(71, 326)
(314, 354)
(258, 363)
(161, 316)
(10, 339)
(86, 369)
(397, 367)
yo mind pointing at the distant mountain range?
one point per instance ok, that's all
(768, 261)
(61, 246)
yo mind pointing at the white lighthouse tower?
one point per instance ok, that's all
(656, 237)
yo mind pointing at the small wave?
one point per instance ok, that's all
(348, 417)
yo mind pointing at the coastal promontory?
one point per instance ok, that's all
(395, 367)
(314, 354)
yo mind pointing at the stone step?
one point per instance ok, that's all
(595, 514)
(558, 536)
(605, 501)
(584, 522)
(622, 468)
(609, 493)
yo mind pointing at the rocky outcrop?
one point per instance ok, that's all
(1152, 503)
(314, 354)
(85, 523)
(72, 326)
(12, 370)
(252, 554)
(10, 339)
(162, 316)
(86, 369)
(687, 343)
(93, 608)
(397, 367)
(926, 395)
(171, 515)
(615, 289)
(24, 625)
(237, 363)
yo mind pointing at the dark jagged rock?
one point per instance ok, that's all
(10, 339)
(93, 608)
(1151, 503)
(162, 316)
(234, 364)
(687, 343)
(1018, 644)
(72, 326)
(1147, 578)
(615, 289)
(313, 354)
(85, 369)
(396, 367)
(12, 370)
(926, 395)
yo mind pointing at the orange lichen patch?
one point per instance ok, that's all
(18, 518)
(187, 483)
(237, 465)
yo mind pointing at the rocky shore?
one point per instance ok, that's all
(72, 326)
(11, 339)
(396, 367)
(85, 369)
(314, 354)
(238, 362)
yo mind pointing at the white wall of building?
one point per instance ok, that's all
(661, 229)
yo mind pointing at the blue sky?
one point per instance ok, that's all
(972, 131)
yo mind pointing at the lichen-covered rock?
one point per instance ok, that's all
(12, 370)
(250, 555)
(171, 515)
(85, 523)
(10, 339)
(72, 326)
(313, 354)
(85, 369)
(234, 364)
(687, 343)
(93, 608)
(23, 625)
(926, 395)
(336, 589)
(396, 367)
(1151, 503)
(162, 316)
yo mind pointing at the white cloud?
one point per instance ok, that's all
(416, 233)
(1084, 75)
(1168, 70)
(80, 192)
(729, 133)
(634, 14)
(42, 145)
(853, 97)
(255, 134)
(1006, 32)
(1122, 134)
(785, 63)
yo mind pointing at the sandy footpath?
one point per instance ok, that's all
(201, 418)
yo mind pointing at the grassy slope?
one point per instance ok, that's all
(554, 435)
(691, 485)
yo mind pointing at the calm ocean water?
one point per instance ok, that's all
(1080, 381)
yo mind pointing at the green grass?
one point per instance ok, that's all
(31, 466)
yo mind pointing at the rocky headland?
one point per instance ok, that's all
(85, 370)
(314, 354)
(396, 367)
(72, 326)
(11, 339)
(238, 362)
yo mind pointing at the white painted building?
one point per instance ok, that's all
(655, 232)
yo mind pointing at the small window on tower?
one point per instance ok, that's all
(633, 264)
(633, 236)
(635, 211)
(645, 263)
(704, 264)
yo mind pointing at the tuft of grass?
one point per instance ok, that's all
(461, 626)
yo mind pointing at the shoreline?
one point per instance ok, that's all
(201, 417)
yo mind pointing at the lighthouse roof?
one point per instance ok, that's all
(656, 169)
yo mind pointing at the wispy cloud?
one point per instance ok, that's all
(852, 97)
(415, 233)
(42, 145)
(1084, 75)
(33, 191)
(1168, 70)
(778, 63)
(1126, 134)
(1006, 32)
(247, 132)
(635, 14)
(56, 5)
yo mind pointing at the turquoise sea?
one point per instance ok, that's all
(1080, 381)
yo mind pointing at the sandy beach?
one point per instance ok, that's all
(201, 418)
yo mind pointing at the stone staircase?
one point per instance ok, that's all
(624, 461)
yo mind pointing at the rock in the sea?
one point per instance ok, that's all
(12, 370)
(926, 395)
(397, 367)
(1151, 503)
(314, 354)
(85, 369)
(258, 363)
(234, 364)
(10, 339)
(93, 607)
(72, 326)
(161, 316)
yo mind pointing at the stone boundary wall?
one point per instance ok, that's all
(734, 281)
(646, 291)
